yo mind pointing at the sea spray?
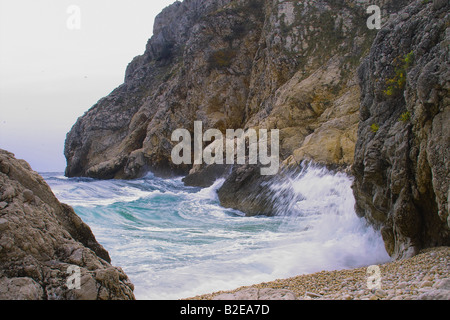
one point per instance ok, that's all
(176, 241)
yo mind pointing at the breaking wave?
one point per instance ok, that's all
(176, 242)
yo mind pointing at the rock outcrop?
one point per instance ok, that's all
(402, 167)
(196, 67)
(43, 243)
(291, 66)
(287, 65)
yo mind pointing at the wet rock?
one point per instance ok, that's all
(205, 176)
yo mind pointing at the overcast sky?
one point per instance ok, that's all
(51, 71)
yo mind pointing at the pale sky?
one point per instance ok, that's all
(50, 75)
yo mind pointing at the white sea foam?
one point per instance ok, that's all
(174, 241)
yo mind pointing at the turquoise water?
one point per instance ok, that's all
(175, 241)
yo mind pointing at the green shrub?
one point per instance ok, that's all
(397, 83)
(404, 117)
(375, 127)
(409, 59)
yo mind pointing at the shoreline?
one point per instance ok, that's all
(426, 276)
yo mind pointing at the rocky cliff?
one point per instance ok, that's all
(42, 242)
(287, 65)
(272, 64)
(402, 166)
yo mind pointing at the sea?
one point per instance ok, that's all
(176, 242)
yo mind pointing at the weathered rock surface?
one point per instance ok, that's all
(43, 240)
(402, 167)
(292, 66)
(287, 65)
(246, 190)
(196, 67)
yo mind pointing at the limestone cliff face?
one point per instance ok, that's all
(288, 65)
(196, 67)
(41, 239)
(402, 167)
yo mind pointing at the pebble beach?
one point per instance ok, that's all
(425, 276)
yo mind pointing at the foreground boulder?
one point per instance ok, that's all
(44, 245)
